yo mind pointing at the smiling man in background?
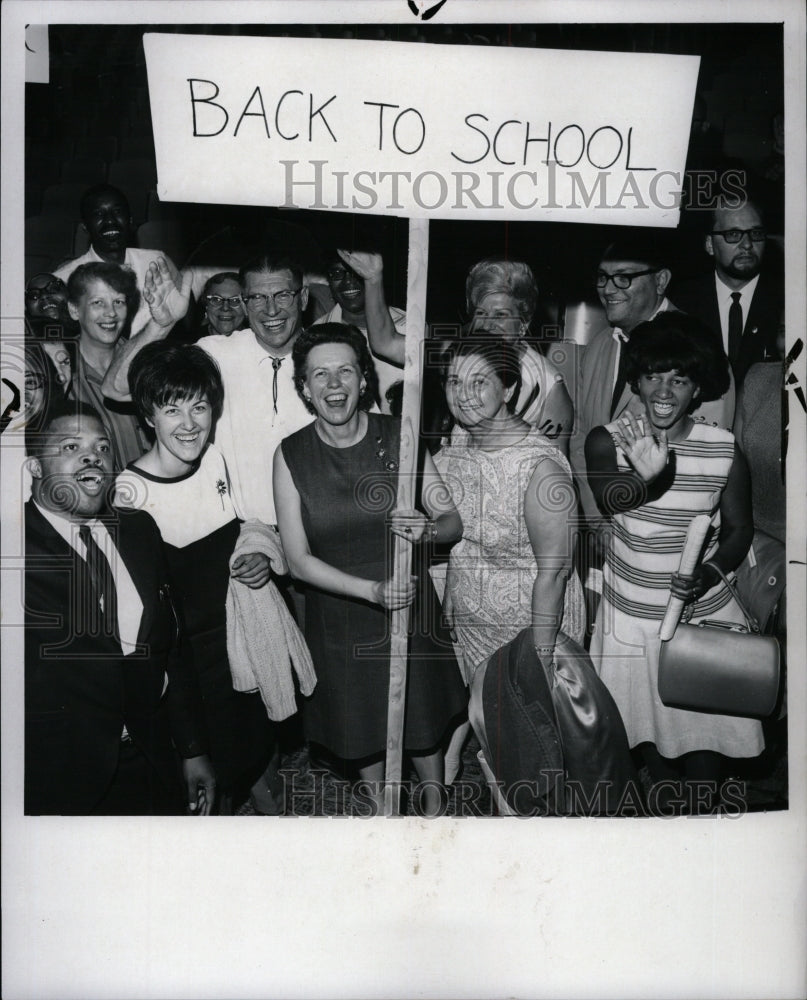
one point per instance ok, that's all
(349, 289)
(107, 220)
(631, 280)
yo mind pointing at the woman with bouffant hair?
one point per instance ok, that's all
(652, 472)
(513, 489)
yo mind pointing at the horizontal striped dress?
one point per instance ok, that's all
(645, 550)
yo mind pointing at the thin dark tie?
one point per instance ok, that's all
(105, 596)
(735, 327)
(276, 363)
(620, 378)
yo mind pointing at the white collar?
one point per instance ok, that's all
(63, 526)
(724, 293)
(622, 338)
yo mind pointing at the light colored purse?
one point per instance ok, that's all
(718, 667)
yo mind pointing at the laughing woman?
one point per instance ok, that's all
(182, 482)
(652, 474)
(335, 483)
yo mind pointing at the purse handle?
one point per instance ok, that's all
(751, 622)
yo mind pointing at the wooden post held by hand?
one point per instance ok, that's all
(407, 470)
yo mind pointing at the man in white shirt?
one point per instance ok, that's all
(261, 405)
(106, 217)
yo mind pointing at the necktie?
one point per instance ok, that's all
(620, 379)
(735, 327)
(276, 363)
(105, 595)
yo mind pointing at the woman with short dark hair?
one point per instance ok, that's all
(182, 483)
(652, 473)
(335, 486)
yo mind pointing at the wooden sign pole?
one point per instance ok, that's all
(407, 470)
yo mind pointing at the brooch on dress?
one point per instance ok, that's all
(221, 489)
(389, 464)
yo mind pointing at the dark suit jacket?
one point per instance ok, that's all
(699, 298)
(80, 690)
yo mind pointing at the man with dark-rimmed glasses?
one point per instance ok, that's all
(631, 281)
(737, 299)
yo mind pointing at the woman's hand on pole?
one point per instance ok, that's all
(393, 595)
(408, 524)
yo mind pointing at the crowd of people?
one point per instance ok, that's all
(192, 508)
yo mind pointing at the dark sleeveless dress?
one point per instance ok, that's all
(346, 494)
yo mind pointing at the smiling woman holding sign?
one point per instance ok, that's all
(335, 487)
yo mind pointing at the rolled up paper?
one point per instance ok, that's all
(696, 535)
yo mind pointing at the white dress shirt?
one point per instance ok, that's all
(249, 430)
(724, 301)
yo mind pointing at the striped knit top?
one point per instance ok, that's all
(647, 542)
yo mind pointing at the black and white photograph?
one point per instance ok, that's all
(403, 474)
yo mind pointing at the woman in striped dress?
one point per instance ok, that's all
(652, 474)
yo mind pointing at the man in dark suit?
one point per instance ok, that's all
(738, 300)
(106, 689)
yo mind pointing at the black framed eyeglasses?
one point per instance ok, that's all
(219, 300)
(622, 280)
(757, 234)
(337, 273)
(283, 299)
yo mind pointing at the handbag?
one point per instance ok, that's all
(720, 667)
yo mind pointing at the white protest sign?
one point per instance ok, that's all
(438, 131)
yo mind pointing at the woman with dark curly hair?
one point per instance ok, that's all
(335, 489)
(652, 473)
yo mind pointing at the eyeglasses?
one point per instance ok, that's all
(33, 381)
(336, 273)
(52, 288)
(219, 300)
(735, 235)
(283, 299)
(622, 280)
